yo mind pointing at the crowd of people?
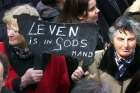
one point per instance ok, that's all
(115, 66)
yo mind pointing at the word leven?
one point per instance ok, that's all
(57, 30)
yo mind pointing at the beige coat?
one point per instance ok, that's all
(105, 77)
(135, 9)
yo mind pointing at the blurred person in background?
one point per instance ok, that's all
(49, 10)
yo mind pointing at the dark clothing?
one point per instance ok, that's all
(55, 77)
(109, 66)
(103, 38)
(48, 13)
(104, 68)
(5, 90)
(111, 9)
(3, 33)
(72, 64)
(130, 1)
(20, 65)
(103, 32)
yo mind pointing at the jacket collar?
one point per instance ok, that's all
(109, 66)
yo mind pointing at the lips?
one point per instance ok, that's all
(11, 38)
(125, 50)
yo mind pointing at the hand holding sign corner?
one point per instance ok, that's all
(77, 40)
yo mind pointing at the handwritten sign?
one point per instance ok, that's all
(77, 40)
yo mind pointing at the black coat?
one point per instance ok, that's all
(111, 9)
(5, 90)
(108, 64)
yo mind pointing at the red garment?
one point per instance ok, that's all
(55, 79)
(3, 48)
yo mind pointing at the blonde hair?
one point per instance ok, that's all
(19, 10)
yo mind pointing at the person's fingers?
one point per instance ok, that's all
(86, 73)
(38, 71)
(37, 75)
(74, 77)
(37, 79)
(78, 73)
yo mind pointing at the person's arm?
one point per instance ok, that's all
(17, 83)
(79, 72)
(12, 75)
(31, 76)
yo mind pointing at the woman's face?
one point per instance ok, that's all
(15, 38)
(124, 43)
(93, 11)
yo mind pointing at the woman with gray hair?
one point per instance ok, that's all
(121, 60)
(23, 77)
(130, 24)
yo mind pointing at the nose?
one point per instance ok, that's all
(97, 10)
(10, 32)
(126, 43)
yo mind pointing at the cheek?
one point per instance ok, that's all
(117, 45)
(19, 39)
(132, 45)
(92, 14)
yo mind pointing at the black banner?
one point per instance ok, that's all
(76, 40)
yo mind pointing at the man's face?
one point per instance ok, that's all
(14, 36)
(124, 43)
(93, 11)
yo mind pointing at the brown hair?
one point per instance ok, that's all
(73, 9)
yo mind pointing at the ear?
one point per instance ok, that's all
(82, 18)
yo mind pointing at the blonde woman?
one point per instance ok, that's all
(23, 78)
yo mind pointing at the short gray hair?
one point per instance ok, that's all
(125, 23)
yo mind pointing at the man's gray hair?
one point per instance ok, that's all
(125, 23)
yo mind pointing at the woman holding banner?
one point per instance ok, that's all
(22, 76)
(82, 11)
